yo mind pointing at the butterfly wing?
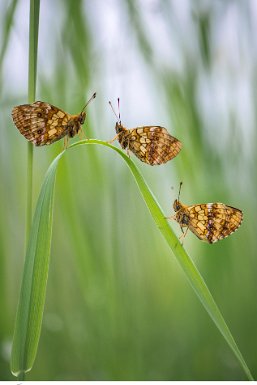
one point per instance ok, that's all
(41, 123)
(212, 222)
(153, 144)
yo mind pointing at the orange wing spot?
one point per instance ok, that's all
(52, 132)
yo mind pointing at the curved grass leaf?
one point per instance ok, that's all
(32, 297)
(33, 288)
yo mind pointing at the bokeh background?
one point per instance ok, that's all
(118, 307)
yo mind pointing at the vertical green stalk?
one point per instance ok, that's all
(29, 190)
(32, 76)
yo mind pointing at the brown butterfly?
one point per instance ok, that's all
(42, 123)
(210, 222)
(151, 144)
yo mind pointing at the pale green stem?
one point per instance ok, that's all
(32, 71)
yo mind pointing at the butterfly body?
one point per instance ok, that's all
(210, 222)
(151, 144)
(123, 135)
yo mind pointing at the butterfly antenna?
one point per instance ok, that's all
(117, 116)
(90, 100)
(179, 189)
(119, 108)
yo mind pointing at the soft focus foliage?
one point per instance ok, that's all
(118, 307)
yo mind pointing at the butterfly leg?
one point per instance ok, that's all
(82, 135)
(65, 142)
(171, 217)
(113, 140)
(127, 151)
(183, 235)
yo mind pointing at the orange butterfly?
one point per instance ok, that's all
(42, 123)
(151, 144)
(210, 222)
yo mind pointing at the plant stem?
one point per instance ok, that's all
(33, 44)
(32, 71)
(29, 190)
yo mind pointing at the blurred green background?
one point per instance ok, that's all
(118, 306)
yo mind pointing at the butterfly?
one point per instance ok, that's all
(210, 222)
(151, 144)
(42, 123)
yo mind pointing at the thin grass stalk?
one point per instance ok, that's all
(32, 77)
(29, 190)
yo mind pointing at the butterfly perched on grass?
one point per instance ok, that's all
(151, 144)
(42, 123)
(210, 222)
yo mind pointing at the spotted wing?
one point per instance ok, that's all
(41, 123)
(212, 222)
(153, 144)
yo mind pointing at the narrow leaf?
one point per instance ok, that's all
(33, 288)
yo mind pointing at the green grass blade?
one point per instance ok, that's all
(32, 81)
(32, 298)
(33, 289)
(19, 359)
(33, 45)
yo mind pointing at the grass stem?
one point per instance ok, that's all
(32, 71)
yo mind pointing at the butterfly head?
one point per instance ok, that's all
(177, 205)
(82, 117)
(119, 128)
